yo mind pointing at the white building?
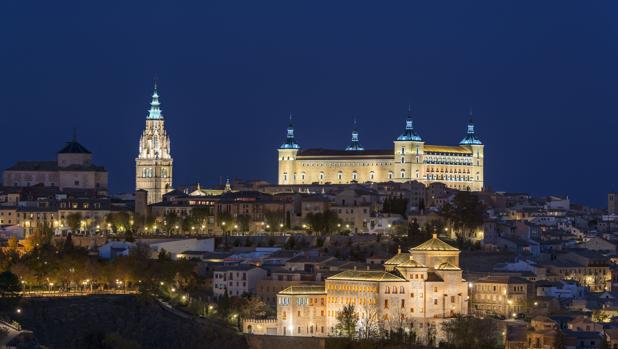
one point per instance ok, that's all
(115, 249)
(236, 280)
(179, 247)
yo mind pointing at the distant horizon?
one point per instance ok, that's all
(540, 79)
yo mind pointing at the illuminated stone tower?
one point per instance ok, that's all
(472, 142)
(153, 166)
(287, 157)
(408, 154)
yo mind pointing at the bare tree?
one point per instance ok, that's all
(369, 321)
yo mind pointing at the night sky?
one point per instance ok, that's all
(541, 78)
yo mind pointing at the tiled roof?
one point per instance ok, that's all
(446, 149)
(447, 266)
(434, 244)
(304, 289)
(398, 258)
(411, 263)
(74, 147)
(366, 275)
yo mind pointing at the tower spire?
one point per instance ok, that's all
(155, 105)
(409, 134)
(290, 141)
(355, 145)
(471, 136)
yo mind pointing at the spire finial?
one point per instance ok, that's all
(155, 105)
(355, 145)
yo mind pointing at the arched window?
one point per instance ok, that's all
(401, 290)
(390, 175)
(403, 174)
(285, 177)
(321, 176)
(403, 160)
(354, 176)
(302, 176)
(372, 175)
(163, 173)
(340, 175)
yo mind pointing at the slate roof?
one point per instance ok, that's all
(318, 152)
(399, 258)
(366, 275)
(74, 147)
(434, 244)
(304, 289)
(454, 149)
(51, 166)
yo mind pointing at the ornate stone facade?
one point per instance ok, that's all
(459, 167)
(153, 166)
(417, 291)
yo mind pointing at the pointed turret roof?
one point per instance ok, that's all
(73, 147)
(471, 137)
(409, 134)
(155, 105)
(290, 142)
(434, 244)
(355, 145)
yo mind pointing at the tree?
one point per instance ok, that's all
(171, 221)
(9, 290)
(470, 332)
(12, 244)
(395, 205)
(243, 222)
(369, 322)
(74, 220)
(323, 222)
(465, 214)
(347, 319)
(274, 218)
(250, 308)
(200, 215)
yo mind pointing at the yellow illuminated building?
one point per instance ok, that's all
(459, 166)
(417, 290)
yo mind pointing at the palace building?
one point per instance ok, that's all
(416, 291)
(411, 159)
(73, 169)
(153, 166)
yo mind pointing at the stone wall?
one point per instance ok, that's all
(270, 342)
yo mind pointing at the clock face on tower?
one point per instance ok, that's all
(153, 166)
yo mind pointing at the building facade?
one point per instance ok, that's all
(72, 169)
(506, 296)
(459, 167)
(153, 166)
(416, 291)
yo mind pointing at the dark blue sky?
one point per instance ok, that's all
(540, 76)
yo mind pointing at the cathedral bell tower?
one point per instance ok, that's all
(153, 166)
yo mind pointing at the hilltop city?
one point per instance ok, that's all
(405, 246)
